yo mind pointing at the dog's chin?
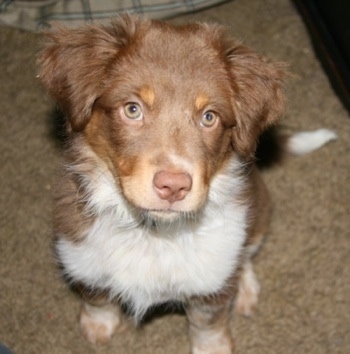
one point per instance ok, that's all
(162, 216)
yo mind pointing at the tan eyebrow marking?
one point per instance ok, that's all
(147, 95)
(201, 101)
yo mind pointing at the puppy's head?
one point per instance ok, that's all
(165, 107)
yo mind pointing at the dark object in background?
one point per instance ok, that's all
(4, 350)
(328, 22)
(271, 148)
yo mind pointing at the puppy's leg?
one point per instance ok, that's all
(260, 210)
(209, 327)
(248, 290)
(100, 322)
(99, 318)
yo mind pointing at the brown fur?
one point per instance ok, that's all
(69, 217)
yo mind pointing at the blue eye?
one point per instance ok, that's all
(208, 119)
(133, 111)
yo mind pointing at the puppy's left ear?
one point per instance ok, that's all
(258, 96)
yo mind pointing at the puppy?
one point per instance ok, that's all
(159, 198)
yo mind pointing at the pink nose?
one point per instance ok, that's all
(172, 186)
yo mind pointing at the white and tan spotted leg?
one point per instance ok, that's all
(209, 327)
(100, 322)
(248, 286)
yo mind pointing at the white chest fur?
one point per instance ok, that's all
(145, 268)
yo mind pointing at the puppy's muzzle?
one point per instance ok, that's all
(172, 186)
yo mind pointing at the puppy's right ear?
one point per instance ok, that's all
(75, 63)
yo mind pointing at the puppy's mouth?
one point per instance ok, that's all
(166, 215)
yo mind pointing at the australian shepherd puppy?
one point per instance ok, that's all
(159, 198)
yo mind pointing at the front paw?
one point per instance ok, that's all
(214, 343)
(98, 324)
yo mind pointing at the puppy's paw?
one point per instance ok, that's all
(222, 350)
(98, 324)
(214, 343)
(248, 292)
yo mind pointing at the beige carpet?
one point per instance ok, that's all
(304, 267)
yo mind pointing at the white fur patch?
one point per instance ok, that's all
(211, 341)
(144, 266)
(99, 323)
(305, 142)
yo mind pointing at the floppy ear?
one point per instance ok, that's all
(76, 62)
(258, 100)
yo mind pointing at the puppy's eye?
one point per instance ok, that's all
(208, 119)
(132, 111)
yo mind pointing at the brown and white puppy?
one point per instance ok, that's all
(159, 198)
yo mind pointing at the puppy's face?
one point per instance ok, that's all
(163, 121)
(165, 107)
